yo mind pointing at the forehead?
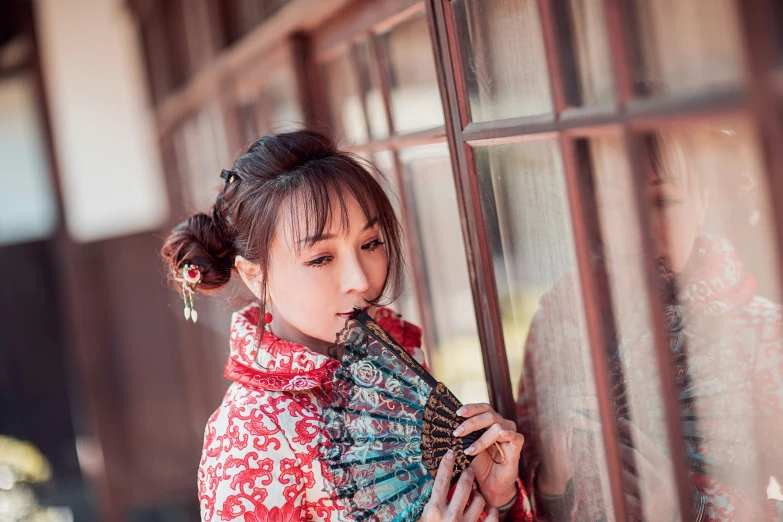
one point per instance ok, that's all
(667, 163)
(303, 220)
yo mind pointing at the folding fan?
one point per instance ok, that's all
(388, 426)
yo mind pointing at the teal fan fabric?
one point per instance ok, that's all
(388, 425)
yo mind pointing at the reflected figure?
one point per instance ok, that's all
(725, 345)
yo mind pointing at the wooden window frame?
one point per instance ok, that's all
(760, 99)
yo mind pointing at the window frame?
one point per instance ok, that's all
(760, 99)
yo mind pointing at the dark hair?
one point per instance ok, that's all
(304, 168)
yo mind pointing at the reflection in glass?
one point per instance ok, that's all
(687, 46)
(503, 58)
(456, 352)
(407, 304)
(345, 105)
(415, 96)
(525, 204)
(713, 246)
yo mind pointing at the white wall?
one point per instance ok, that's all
(102, 122)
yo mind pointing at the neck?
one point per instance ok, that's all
(287, 332)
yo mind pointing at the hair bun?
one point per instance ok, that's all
(201, 240)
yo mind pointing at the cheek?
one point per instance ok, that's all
(681, 231)
(378, 269)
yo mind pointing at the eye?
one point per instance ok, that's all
(372, 245)
(666, 202)
(320, 262)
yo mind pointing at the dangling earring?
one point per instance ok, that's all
(191, 275)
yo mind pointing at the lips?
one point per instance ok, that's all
(345, 315)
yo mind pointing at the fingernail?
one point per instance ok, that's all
(460, 411)
(450, 454)
(505, 433)
(459, 431)
(470, 450)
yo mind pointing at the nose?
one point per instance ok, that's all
(354, 276)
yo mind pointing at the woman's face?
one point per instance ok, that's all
(311, 291)
(677, 212)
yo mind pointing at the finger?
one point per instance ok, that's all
(639, 462)
(643, 443)
(440, 489)
(633, 507)
(461, 493)
(475, 508)
(471, 410)
(631, 484)
(497, 433)
(482, 420)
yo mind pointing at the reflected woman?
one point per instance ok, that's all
(725, 345)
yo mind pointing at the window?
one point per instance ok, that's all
(612, 168)
(384, 102)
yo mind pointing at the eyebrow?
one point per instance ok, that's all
(311, 240)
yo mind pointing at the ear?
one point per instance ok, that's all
(250, 274)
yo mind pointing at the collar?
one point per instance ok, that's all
(720, 282)
(261, 359)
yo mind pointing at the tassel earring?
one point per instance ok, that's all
(191, 275)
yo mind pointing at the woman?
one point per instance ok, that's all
(312, 235)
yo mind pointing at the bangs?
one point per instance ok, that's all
(320, 192)
(666, 160)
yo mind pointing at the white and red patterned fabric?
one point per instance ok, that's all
(260, 457)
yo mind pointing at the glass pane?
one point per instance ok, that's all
(712, 232)
(345, 106)
(590, 45)
(28, 208)
(415, 97)
(407, 304)
(456, 354)
(525, 203)
(688, 46)
(373, 99)
(636, 382)
(502, 58)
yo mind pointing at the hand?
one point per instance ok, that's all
(497, 481)
(647, 474)
(555, 431)
(438, 509)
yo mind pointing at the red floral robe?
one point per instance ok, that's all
(259, 461)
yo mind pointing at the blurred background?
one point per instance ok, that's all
(117, 116)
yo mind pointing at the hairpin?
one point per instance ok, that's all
(191, 275)
(229, 175)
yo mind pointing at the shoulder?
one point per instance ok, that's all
(244, 448)
(408, 335)
(405, 333)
